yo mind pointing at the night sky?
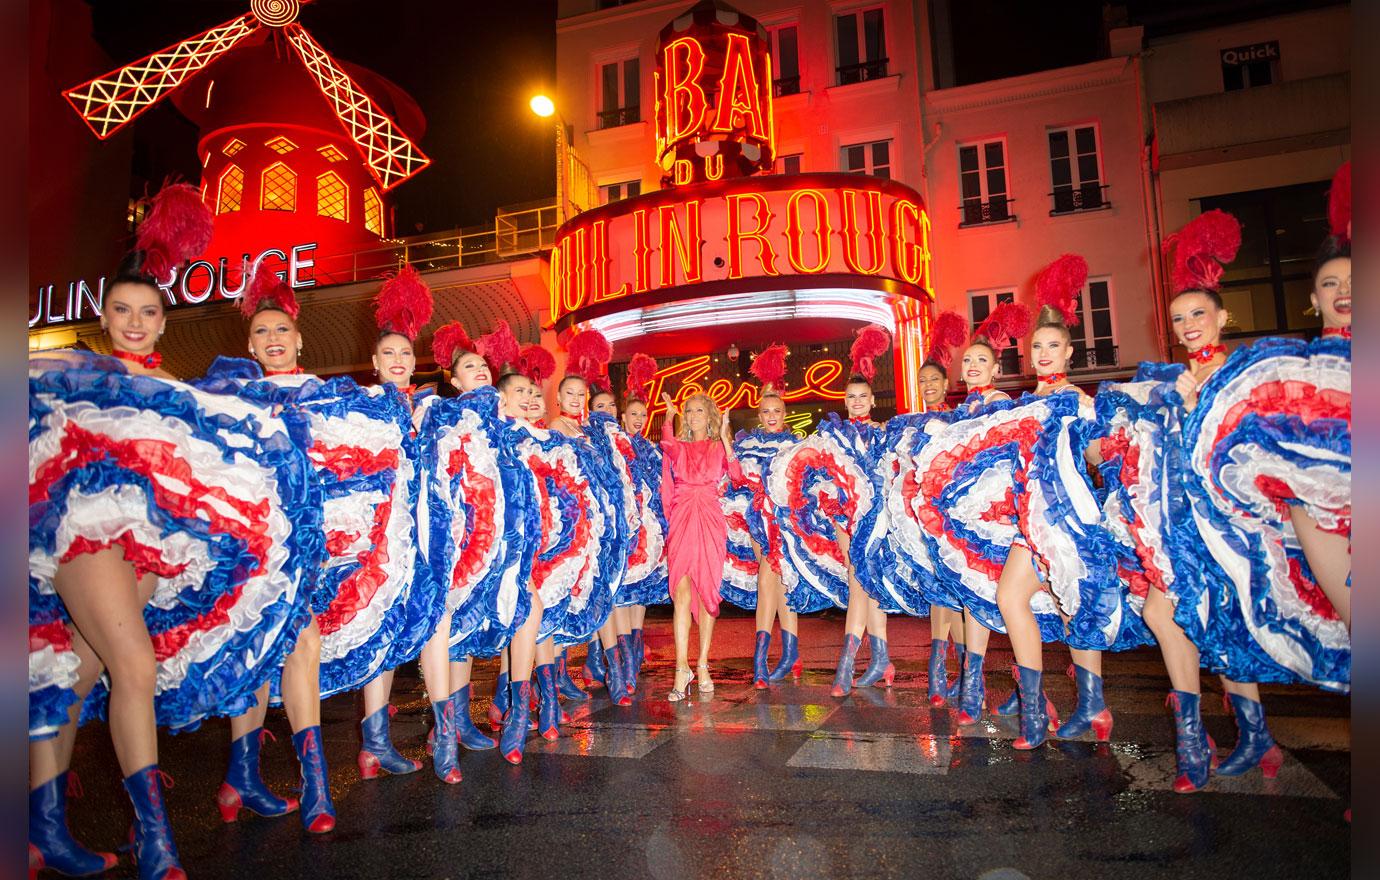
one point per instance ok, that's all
(470, 66)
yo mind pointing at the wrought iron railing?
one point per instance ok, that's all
(620, 116)
(862, 71)
(1094, 358)
(786, 85)
(517, 230)
(997, 209)
(1084, 197)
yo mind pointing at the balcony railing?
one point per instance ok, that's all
(866, 70)
(1095, 358)
(521, 229)
(995, 210)
(1084, 197)
(787, 85)
(620, 116)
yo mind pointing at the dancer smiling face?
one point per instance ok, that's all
(274, 340)
(635, 417)
(470, 371)
(934, 385)
(1332, 292)
(515, 395)
(858, 399)
(979, 366)
(1198, 319)
(1051, 351)
(394, 359)
(571, 397)
(134, 317)
(771, 412)
(604, 402)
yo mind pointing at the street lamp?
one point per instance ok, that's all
(542, 106)
(568, 165)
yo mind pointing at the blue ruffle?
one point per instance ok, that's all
(479, 625)
(1254, 616)
(652, 588)
(219, 682)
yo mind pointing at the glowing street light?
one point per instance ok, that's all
(542, 106)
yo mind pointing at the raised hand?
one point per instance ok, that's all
(667, 402)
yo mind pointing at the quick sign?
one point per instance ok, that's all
(199, 282)
(1254, 52)
(788, 231)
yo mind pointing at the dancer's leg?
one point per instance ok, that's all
(1329, 556)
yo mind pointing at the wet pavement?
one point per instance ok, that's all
(783, 783)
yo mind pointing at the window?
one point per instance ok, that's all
(982, 183)
(138, 210)
(278, 190)
(616, 192)
(1094, 342)
(332, 196)
(980, 305)
(861, 42)
(232, 146)
(1246, 67)
(280, 145)
(788, 164)
(619, 98)
(873, 159)
(373, 211)
(331, 153)
(1266, 288)
(785, 61)
(231, 190)
(1076, 170)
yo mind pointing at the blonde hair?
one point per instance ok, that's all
(715, 424)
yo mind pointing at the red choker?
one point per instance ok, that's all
(1343, 332)
(151, 361)
(1207, 353)
(295, 371)
(575, 417)
(982, 389)
(860, 418)
(1052, 378)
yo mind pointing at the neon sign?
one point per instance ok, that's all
(713, 88)
(196, 284)
(820, 381)
(795, 230)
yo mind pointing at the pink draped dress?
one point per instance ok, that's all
(696, 532)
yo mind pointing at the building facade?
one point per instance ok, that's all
(1254, 118)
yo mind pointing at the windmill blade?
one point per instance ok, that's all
(108, 102)
(390, 155)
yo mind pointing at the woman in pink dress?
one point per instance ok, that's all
(693, 467)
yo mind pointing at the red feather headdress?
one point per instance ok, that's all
(499, 347)
(1058, 285)
(871, 343)
(536, 363)
(587, 356)
(769, 366)
(177, 228)
(641, 371)
(268, 291)
(404, 304)
(449, 341)
(1339, 203)
(948, 332)
(1007, 323)
(1199, 250)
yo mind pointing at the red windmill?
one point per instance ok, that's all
(268, 139)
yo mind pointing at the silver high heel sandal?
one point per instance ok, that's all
(705, 688)
(678, 694)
